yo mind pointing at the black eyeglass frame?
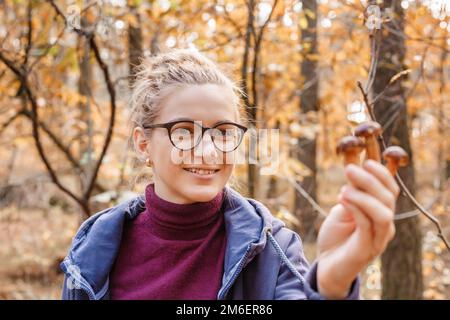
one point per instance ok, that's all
(171, 124)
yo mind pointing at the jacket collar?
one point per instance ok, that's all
(96, 244)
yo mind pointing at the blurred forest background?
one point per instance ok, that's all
(66, 68)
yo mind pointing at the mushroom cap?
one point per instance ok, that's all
(367, 129)
(397, 154)
(350, 144)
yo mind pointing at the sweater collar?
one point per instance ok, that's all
(174, 221)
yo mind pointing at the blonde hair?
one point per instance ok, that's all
(159, 75)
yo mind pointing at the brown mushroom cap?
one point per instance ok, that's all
(397, 154)
(350, 144)
(367, 129)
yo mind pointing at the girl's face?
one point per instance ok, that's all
(185, 176)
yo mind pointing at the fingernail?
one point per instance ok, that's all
(352, 168)
(369, 163)
(346, 194)
(348, 169)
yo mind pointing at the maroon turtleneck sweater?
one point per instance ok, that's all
(171, 251)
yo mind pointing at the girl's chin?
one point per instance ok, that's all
(202, 193)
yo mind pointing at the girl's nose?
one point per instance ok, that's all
(209, 151)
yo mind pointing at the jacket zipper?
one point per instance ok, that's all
(236, 273)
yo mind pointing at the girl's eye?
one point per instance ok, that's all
(182, 131)
(182, 136)
(183, 128)
(224, 133)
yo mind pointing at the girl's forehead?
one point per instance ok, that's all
(206, 103)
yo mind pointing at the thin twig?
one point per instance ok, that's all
(306, 195)
(303, 192)
(374, 52)
(402, 185)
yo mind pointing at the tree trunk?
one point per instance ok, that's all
(135, 52)
(402, 260)
(306, 147)
(84, 89)
(252, 175)
(443, 130)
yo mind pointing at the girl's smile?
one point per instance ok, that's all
(203, 172)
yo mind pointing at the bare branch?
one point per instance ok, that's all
(29, 33)
(22, 76)
(64, 149)
(112, 93)
(8, 122)
(402, 185)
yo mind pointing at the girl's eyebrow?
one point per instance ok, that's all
(223, 121)
(190, 119)
(181, 119)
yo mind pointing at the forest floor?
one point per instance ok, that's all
(34, 241)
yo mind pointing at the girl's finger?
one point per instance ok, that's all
(362, 222)
(380, 215)
(364, 180)
(383, 174)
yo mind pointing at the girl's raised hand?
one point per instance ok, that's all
(357, 229)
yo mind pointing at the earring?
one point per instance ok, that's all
(148, 162)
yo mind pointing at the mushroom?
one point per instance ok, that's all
(351, 147)
(370, 131)
(395, 157)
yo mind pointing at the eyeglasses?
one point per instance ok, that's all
(187, 134)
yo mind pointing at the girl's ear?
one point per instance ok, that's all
(140, 143)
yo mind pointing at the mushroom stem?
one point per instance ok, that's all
(392, 166)
(372, 148)
(351, 157)
(370, 131)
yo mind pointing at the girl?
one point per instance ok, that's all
(190, 236)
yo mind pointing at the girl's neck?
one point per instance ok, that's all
(171, 220)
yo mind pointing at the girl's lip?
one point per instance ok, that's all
(203, 176)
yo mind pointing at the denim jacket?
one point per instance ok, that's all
(264, 260)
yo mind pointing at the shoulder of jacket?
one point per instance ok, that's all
(127, 207)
